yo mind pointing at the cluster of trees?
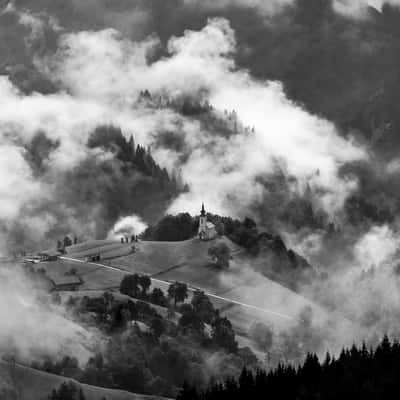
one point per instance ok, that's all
(194, 315)
(152, 351)
(67, 391)
(358, 373)
(186, 105)
(137, 286)
(243, 233)
(173, 228)
(201, 312)
(114, 316)
(111, 139)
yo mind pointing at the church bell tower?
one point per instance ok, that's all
(202, 222)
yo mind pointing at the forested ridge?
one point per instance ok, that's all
(358, 373)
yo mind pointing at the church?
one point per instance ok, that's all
(207, 230)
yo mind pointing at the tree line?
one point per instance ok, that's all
(357, 373)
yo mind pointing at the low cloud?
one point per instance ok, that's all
(104, 67)
(32, 328)
(127, 226)
(17, 183)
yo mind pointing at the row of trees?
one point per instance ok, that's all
(67, 391)
(137, 286)
(173, 228)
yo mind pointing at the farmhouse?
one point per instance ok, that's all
(207, 230)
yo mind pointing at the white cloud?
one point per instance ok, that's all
(376, 247)
(131, 225)
(266, 7)
(102, 67)
(33, 329)
(17, 186)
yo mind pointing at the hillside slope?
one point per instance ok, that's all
(25, 383)
(188, 261)
(157, 258)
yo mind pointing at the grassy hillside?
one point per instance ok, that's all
(26, 383)
(157, 258)
(188, 262)
(241, 293)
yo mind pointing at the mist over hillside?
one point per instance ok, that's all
(118, 119)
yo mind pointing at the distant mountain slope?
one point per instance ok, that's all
(88, 199)
(23, 383)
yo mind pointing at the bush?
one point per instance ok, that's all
(220, 254)
(157, 297)
(203, 307)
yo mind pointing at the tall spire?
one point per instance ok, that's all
(203, 211)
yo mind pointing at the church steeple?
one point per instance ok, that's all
(203, 211)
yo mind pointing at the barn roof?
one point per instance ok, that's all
(50, 253)
(59, 280)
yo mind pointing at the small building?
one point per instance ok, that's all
(93, 258)
(67, 242)
(65, 283)
(51, 255)
(32, 258)
(207, 230)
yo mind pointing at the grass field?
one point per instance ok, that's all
(155, 257)
(29, 384)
